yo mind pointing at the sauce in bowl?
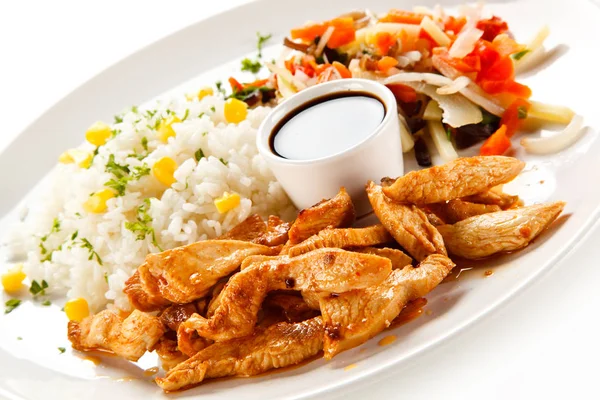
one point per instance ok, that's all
(327, 125)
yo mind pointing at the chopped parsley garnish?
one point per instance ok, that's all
(251, 66)
(106, 277)
(261, 41)
(85, 244)
(519, 55)
(156, 124)
(115, 132)
(43, 250)
(62, 350)
(142, 226)
(46, 303)
(11, 305)
(150, 113)
(201, 114)
(187, 113)
(19, 338)
(213, 109)
(449, 134)
(521, 112)
(118, 185)
(55, 226)
(199, 154)
(74, 235)
(145, 143)
(118, 119)
(117, 170)
(204, 133)
(220, 88)
(223, 161)
(123, 175)
(134, 109)
(38, 288)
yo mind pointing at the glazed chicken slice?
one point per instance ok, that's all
(253, 229)
(278, 346)
(494, 196)
(186, 273)
(337, 212)
(459, 178)
(323, 270)
(499, 232)
(168, 353)
(397, 257)
(172, 317)
(342, 238)
(407, 224)
(129, 338)
(354, 317)
(144, 295)
(293, 307)
(457, 210)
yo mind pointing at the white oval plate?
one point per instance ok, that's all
(33, 368)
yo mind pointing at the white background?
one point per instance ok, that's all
(543, 344)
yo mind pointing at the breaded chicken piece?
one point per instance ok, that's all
(186, 273)
(354, 317)
(337, 212)
(342, 238)
(457, 210)
(323, 270)
(397, 257)
(144, 296)
(459, 178)
(278, 346)
(253, 229)
(129, 338)
(494, 196)
(407, 224)
(499, 232)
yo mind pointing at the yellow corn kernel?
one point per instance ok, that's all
(165, 130)
(98, 134)
(235, 111)
(164, 169)
(227, 202)
(12, 280)
(77, 309)
(97, 202)
(80, 157)
(207, 91)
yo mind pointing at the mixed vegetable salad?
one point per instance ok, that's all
(454, 76)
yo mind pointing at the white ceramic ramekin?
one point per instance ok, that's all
(309, 181)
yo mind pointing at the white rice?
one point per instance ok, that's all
(181, 214)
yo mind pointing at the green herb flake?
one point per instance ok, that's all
(187, 113)
(223, 161)
(204, 133)
(520, 54)
(521, 112)
(261, 41)
(142, 226)
(199, 154)
(220, 88)
(251, 66)
(38, 288)
(85, 244)
(150, 113)
(145, 143)
(201, 114)
(19, 338)
(449, 134)
(74, 235)
(43, 249)
(134, 109)
(116, 169)
(11, 305)
(139, 172)
(46, 303)
(106, 277)
(78, 214)
(62, 350)
(213, 109)
(55, 226)
(118, 119)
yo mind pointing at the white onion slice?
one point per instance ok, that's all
(432, 112)
(435, 32)
(465, 42)
(427, 77)
(323, 41)
(536, 51)
(286, 75)
(555, 143)
(406, 137)
(458, 111)
(285, 88)
(456, 86)
(441, 142)
(550, 112)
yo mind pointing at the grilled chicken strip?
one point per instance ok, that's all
(459, 178)
(397, 257)
(172, 317)
(254, 229)
(129, 338)
(186, 273)
(278, 346)
(293, 308)
(342, 239)
(354, 317)
(337, 212)
(494, 196)
(499, 232)
(168, 353)
(457, 210)
(407, 224)
(323, 270)
(144, 295)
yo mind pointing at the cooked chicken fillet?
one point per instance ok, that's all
(253, 229)
(174, 315)
(189, 342)
(407, 224)
(457, 210)
(186, 273)
(397, 257)
(337, 212)
(494, 196)
(342, 238)
(293, 308)
(326, 270)
(144, 296)
(459, 178)
(129, 338)
(498, 232)
(278, 346)
(354, 317)
(168, 353)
